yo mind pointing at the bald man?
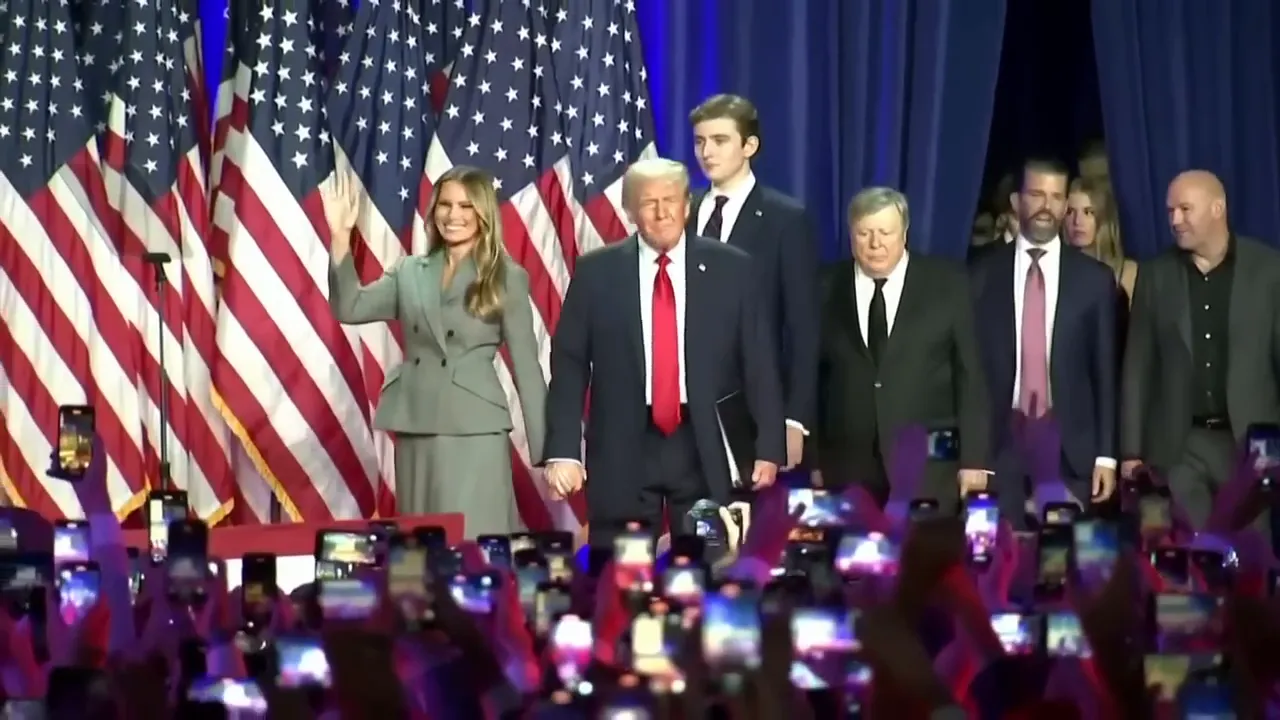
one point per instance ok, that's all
(1200, 363)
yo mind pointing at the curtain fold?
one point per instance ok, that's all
(1190, 84)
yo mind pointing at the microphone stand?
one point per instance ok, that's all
(157, 260)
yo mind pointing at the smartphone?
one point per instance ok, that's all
(71, 542)
(571, 644)
(633, 560)
(339, 551)
(1054, 556)
(653, 647)
(78, 588)
(1019, 633)
(981, 525)
(1155, 513)
(1064, 636)
(530, 571)
(1207, 696)
(519, 542)
(474, 593)
(258, 588)
(731, 628)
(407, 579)
(818, 634)
(163, 508)
(559, 564)
(944, 445)
(75, 439)
(866, 554)
(684, 582)
(188, 561)
(496, 549)
(1061, 513)
(8, 536)
(1188, 623)
(922, 509)
(23, 579)
(555, 540)
(1097, 547)
(432, 537)
(1212, 573)
(238, 696)
(550, 602)
(1170, 673)
(821, 508)
(302, 662)
(1263, 441)
(136, 571)
(445, 562)
(1173, 566)
(346, 598)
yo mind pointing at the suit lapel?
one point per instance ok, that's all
(462, 279)
(846, 301)
(696, 291)
(1244, 275)
(1182, 301)
(691, 224)
(748, 221)
(629, 280)
(1063, 305)
(1001, 307)
(910, 305)
(430, 269)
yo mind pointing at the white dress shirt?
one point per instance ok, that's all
(737, 198)
(648, 269)
(864, 286)
(1051, 267)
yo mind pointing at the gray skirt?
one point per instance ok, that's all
(468, 474)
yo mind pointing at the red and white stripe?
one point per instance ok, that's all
(545, 229)
(69, 336)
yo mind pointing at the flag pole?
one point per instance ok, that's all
(157, 260)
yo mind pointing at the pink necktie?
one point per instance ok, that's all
(1033, 392)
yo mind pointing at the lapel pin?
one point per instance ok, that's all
(759, 214)
(702, 268)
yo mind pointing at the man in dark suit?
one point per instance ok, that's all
(1201, 361)
(898, 349)
(778, 234)
(659, 328)
(1048, 345)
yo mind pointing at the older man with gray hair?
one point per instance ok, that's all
(898, 352)
(659, 328)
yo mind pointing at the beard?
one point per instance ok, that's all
(1040, 228)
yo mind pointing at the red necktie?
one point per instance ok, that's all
(1033, 392)
(666, 352)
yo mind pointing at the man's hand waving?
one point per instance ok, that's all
(565, 477)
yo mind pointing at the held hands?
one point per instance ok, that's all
(1104, 483)
(795, 447)
(971, 481)
(341, 209)
(564, 478)
(763, 474)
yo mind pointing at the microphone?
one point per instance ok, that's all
(156, 258)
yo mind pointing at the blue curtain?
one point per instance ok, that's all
(851, 94)
(1190, 84)
(873, 92)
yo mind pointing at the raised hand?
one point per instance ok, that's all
(341, 209)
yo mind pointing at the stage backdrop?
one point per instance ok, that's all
(1190, 84)
(851, 94)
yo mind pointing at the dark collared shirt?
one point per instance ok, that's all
(1210, 300)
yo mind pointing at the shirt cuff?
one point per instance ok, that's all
(798, 426)
(1106, 462)
(568, 460)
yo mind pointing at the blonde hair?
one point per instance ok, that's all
(485, 294)
(872, 200)
(652, 170)
(1106, 246)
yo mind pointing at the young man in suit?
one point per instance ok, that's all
(777, 233)
(1048, 344)
(658, 328)
(898, 350)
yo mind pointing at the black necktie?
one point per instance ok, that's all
(877, 322)
(715, 224)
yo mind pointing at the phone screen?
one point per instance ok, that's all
(572, 642)
(1097, 547)
(653, 647)
(163, 508)
(551, 600)
(347, 598)
(1019, 634)
(1173, 566)
(1170, 673)
(474, 593)
(981, 523)
(303, 662)
(684, 584)
(496, 549)
(531, 571)
(731, 628)
(1054, 555)
(821, 509)
(1263, 441)
(821, 637)
(339, 551)
(1064, 636)
(78, 589)
(944, 445)
(1155, 513)
(633, 560)
(407, 580)
(237, 696)
(71, 542)
(75, 439)
(871, 553)
(1188, 623)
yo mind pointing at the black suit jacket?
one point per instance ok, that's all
(777, 233)
(930, 375)
(1156, 405)
(598, 345)
(1083, 368)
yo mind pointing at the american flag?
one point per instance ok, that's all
(380, 110)
(70, 332)
(151, 128)
(550, 97)
(289, 378)
(443, 21)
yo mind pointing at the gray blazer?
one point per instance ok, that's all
(447, 384)
(1155, 412)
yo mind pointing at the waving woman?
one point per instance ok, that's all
(456, 305)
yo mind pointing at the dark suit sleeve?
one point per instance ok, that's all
(799, 268)
(570, 371)
(1104, 361)
(972, 400)
(1138, 365)
(763, 384)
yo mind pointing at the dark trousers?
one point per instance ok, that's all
(1208, 460)
(673, 480)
